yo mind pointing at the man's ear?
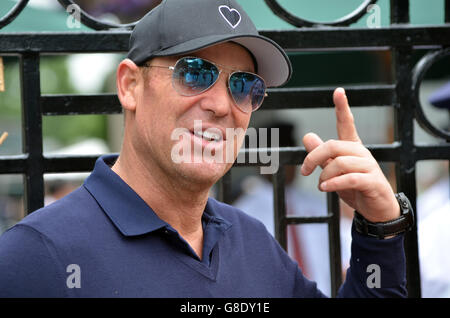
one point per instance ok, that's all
(128, 79)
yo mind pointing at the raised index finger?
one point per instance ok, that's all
(345, 123)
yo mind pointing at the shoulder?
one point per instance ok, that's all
(34, 252)
(61, 215)
(57, 222)
(58, 226)
(29, 264)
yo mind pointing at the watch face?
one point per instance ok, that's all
(407, 209)
(405, 204)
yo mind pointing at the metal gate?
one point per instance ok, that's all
(400, 38)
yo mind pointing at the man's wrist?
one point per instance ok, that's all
(388, 229)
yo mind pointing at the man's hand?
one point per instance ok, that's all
(349, 168)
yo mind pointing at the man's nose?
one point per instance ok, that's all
(217, 99)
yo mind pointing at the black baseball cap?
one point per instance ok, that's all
(177, 27)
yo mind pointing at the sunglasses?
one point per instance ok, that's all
(193, 75)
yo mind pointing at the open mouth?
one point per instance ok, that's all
(208, 135)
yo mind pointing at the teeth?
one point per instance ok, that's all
(207, 135)
(211, 136)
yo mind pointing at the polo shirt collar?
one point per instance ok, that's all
(126, 209)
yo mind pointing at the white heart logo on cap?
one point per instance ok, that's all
(232, 16)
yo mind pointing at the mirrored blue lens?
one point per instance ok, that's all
(248, 90)
(192, 76)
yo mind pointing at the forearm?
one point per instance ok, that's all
(377, 268)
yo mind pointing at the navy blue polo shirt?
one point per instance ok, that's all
(103, 240)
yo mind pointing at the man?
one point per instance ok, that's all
(142, 224)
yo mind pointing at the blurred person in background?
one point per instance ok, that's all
(123, 11)
(433, 209)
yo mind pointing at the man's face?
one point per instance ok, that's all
(162, 113)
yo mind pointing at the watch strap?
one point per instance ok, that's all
(383, 229)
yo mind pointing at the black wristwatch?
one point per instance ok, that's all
(383, 229)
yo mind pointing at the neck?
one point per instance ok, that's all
(177, 204)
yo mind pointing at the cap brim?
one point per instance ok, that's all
(273, 63)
